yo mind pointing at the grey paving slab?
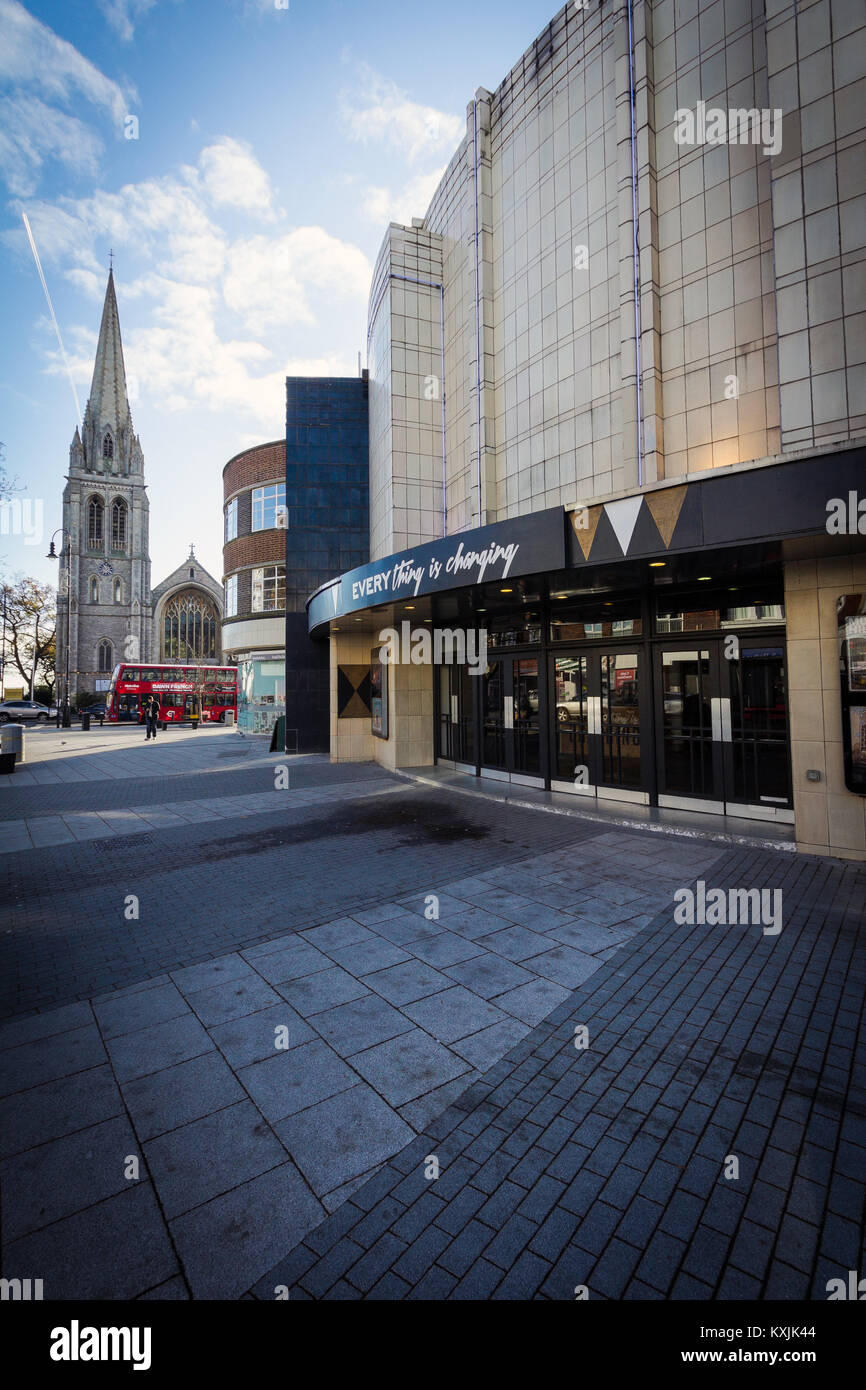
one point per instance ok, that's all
(17, 1031)
(590, 937)
(518, 943)
(402, 984)
(115, 1250)
(65, 1175)
(232, 999)
(210, 1156)
(212, 972)
(258, 1036)
(408, 1066)
(421, 1111)
(293, 1080)
(47, 1058)
(227, 1244)
(312, 994)
(175, 1096)
(489, 975)
(131, 1012)
(155, 1048)
(475, 922)
(293, 962)
(481, 1050)
(57, 1108)
(173, 1290)
(454, 1013)
(406, 929)
(446, 949)
(360, 1024)
(49, 830)
(565, 966)
(532, 1003)
(345, 931)
(368, 956)
(342, 1137)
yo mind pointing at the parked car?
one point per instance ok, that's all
(569, 709)
(13, 710)
(95, 711)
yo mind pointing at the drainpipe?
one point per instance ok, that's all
(635, 244)
(477, 308)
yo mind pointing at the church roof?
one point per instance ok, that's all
(180, 578)
(108, 398)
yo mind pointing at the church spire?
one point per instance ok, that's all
(109, 404)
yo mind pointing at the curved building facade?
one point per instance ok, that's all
(254, 580)
(617, 397)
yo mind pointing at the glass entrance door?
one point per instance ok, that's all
(689, 756)
(511, 719)
(456, 714)
(722, 727)
(526, 753)
(493, 717)
(758, 770)
(597, 726)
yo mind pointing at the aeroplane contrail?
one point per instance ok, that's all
(53, 315)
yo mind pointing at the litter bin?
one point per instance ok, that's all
(11, 746)
(85, 720)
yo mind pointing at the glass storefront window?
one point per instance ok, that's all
(594, 619)
(261, 694)
(522, 628)
(711, 611)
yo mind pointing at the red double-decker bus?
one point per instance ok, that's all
(183, 691)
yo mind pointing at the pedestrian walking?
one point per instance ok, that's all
(151, 716)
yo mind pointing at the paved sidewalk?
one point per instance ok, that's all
(38, 832)
(260, 1088)
(56, 756)
(605, 1169)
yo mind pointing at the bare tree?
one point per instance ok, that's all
(30, 623)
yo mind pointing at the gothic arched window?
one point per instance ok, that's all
(94, 589)
(118, 591)
(118, 524)
(190, 627)
(104, 661)
(107, 446)
(95, 513)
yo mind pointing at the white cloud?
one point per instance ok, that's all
(381, 111)
(384, 205)
(32, 55)
(213, 308)
(123, 15)
(270, 281)
(31, 132)
(233, 177)
(49, 86)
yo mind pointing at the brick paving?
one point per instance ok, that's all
(407, 1033)
(604, 1168)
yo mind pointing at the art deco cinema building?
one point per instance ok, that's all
(623, 357)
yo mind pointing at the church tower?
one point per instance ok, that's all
(106, 527)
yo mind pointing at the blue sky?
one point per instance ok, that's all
(274, 145)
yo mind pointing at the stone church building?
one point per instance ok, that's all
(115, 615)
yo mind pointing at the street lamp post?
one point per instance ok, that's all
(52, 555)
